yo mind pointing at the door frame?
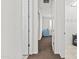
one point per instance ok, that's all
(25, 26)
(35, 27)
(35, 32)
(30, 26)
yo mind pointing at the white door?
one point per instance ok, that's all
(40, 27)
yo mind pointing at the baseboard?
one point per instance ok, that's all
(41, 38)
(25, 57)
(62, 56)
(35, 52)
(56, 52)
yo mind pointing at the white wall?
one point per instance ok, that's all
(60, 26)
(11, 29)
(45, 8)
(46, 24)
(45, 21)
(35, 27)
(58, 13)
(70, 28)
(40, 28)
(70, 22)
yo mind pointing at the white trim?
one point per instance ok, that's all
(62, 56)
(26, 57)
(31, 26)
(35, 52)
(40, 26)
(30, 21)
(25, 27)
(35, 26)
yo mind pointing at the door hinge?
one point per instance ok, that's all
(38, 13)
(28, 16)
(28, 45)
(64, 33)
(28, 30)
(53, 43)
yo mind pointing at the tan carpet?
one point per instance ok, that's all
(45, 50)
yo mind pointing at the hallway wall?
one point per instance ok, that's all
(58, 14)
(11, 31)
(70, 28)
(70, 22)
(60, 27)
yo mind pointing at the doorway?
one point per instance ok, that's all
(45, 19)
(45, 39)
(49, 15)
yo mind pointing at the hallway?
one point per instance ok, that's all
(45, 50)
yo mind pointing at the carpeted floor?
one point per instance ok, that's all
(45, 50)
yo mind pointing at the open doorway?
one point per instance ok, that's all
(45, 19)
(45, 28)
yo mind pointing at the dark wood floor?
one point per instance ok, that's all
(45, 50)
